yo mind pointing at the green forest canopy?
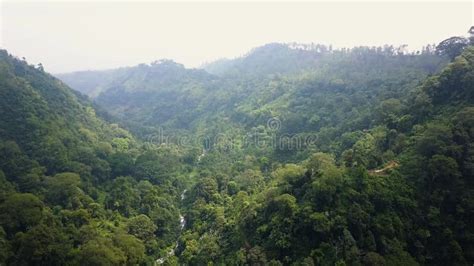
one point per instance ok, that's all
(387, 178)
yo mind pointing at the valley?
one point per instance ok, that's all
(288, 155)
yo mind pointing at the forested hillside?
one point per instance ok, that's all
(289, 155)
(388, 185)
(276, 80)
(331, 209)
(76, 190)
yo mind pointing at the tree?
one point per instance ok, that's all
(121, 144)
(364, 151)
(132, 247)
(5, 247)
(123, 195)
(13, 162)
(444, 171)
(256, 256)
(156, 166)
(206, 188)
(63, 189)
(20, 212)
(142, 227)
(121, 164)
(280, 213)
(100, 251)
(42, 244)
(6, 188)
(452, 47)
(373, 259)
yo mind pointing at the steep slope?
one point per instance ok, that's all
(327, 210)
(45, 117)
(161, 93)
(276, 80)
(74, 189)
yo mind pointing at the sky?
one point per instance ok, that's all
(69, 36)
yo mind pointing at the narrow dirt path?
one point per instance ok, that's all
(383, 171)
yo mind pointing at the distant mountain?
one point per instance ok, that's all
(91, 82)
(162, 75)
(273, 58)
(249, 89)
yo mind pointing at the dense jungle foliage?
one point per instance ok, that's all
(290, 155)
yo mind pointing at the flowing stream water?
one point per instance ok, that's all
(182, 224)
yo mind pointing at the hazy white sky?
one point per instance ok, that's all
(69, 36)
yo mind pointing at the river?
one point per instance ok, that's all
(182, 224)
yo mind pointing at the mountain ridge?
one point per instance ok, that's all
(288, 156)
